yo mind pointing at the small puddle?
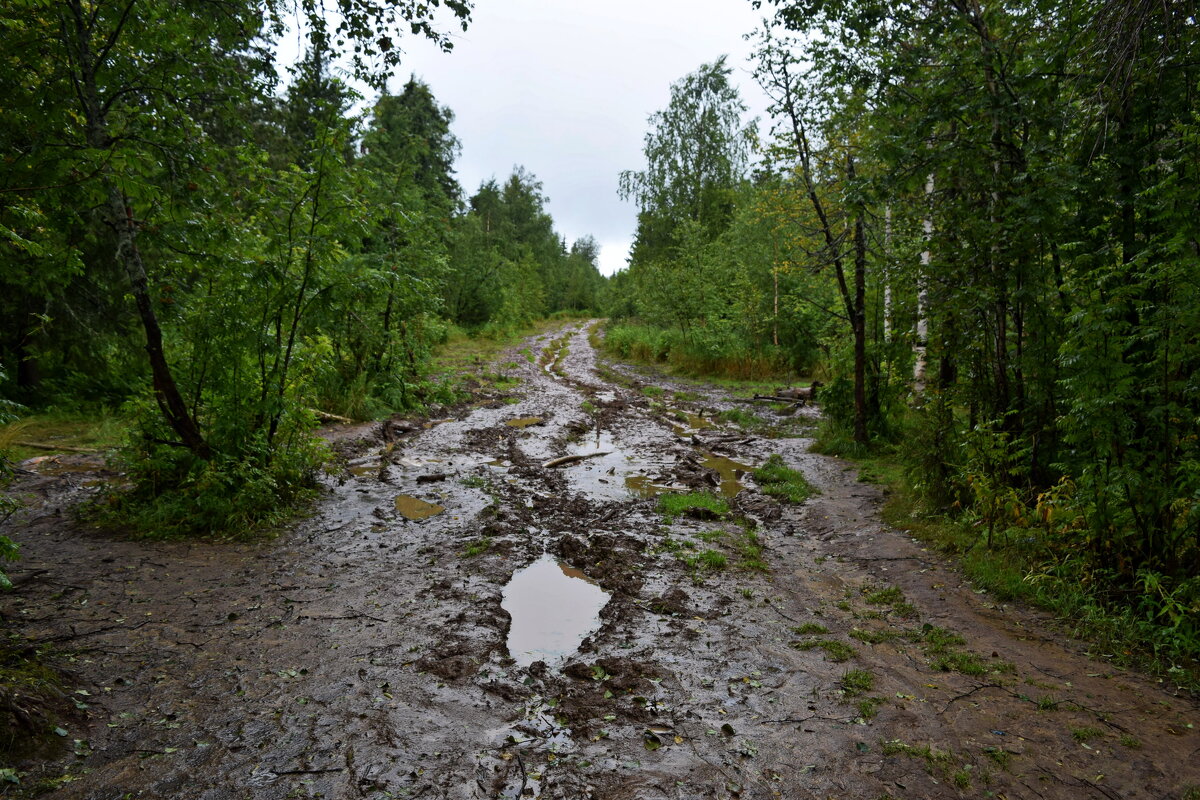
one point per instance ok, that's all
(524, 422)
(692, 422)
(416, 509)
(644, 487)
(731, 472)
(553, 607)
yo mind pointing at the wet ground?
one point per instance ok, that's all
(383, 648)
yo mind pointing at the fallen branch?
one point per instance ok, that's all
(327, 417)
(562, 461)
(55, 447)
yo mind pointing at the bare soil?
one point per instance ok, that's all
(361, 654)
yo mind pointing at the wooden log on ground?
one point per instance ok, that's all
(564, 460)
(55, 447)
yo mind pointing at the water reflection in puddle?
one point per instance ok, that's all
(416, 509)
(730, 471)
(689, 423)
(643, 486)
(553, 607)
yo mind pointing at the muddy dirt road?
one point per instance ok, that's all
(365, 653)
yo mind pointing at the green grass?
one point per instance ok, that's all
(707, 561)
(741, 418)
(703, 505)
(857, 681)
(1017, 570)
(873, 637)
(1086, 733)
(779, 480)
(99, 432)
(751, 550)
(999, 755)
(930, 755)
(868, 707)
(941, 646)
(809, 628)
(478, 547)
(891, 597)
(652, 391)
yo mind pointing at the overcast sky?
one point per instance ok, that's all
(564, 88)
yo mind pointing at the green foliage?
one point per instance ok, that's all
(695, 504)
(779, 480)
(705, 352)
(280, 253)
(176, 493)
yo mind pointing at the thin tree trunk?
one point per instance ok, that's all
(124, 226)
(923, 291)
(859, 320)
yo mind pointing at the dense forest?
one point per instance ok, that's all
(218, 251)
(978, 225)
(975, 225)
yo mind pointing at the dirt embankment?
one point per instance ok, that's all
(771, 651)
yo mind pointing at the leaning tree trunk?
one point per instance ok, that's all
(124, 226)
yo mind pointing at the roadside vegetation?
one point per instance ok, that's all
(986, 262)
(216, 268)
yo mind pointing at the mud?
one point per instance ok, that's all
(363, 654)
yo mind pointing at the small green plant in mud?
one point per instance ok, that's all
(652, 391)
(1047, 703)
(475, 482)
(587, 407)
(1086, 733)
(868, 707)
(779, 480)
(835, 650)
(927, 753)
(478, 547)
(809, 628)
(707, 561)
(1132, 742)
(751, 550)
(703, 505)
(1001, 757)
(941, 646)
(873, 637)
(525, 351)
(891, 597)
(685, 397)
(857, 681)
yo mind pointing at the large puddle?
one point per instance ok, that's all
(415, 508)
(553, 607)
(524, 422)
